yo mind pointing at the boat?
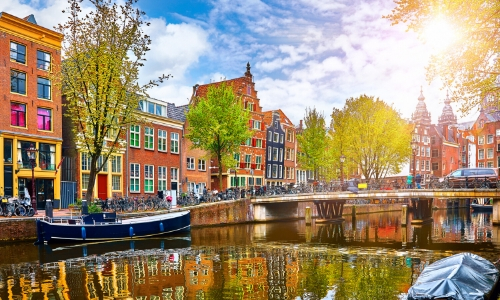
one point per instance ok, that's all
(463, 276)
(108, 226)
(481, 204)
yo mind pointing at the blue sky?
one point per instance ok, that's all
(303, 53)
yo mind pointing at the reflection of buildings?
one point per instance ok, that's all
(198, 274)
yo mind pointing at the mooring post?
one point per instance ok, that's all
(404, 214)
(353, 211)
(308, 215)
(49, 209)
(85, 207)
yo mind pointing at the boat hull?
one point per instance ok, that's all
(481, 207)
(52, 230)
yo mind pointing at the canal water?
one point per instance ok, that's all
(369, 257)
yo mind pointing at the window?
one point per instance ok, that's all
(427, 165)
(481, 165)
(433, 140)
(135, 132)
(116, 182)
(275, 171)
(248, 160)
(174, 174)
(47, 156)
(85, 181)
(135, 178)
(162, 140)
(258, 143)
(435, 166)
(269, 136)
(269, 152)
(256, 124)
(490, 164)
(85, 162)
(435, 153)
(250, 106)
(480, 140)
(18, 82)
(100, 162)
(44, 118)
(149, 138)
(248, 142)
(481, 154)
(276, 137)
(258, 162)
(162, 178)
(490, 153)
(174, 142)
(153, 108)
(280, 172)
(258, 181)
(289, 135)
(268, 171)
(237, 159)
(281, 154)
(18, 52)
(282, 136)
(149, 179)
(428, 151)
(202, 165)
(498, 132)
(43, 88)
(190, 163)
(18, 114)
(116, 164)
(42, 60)
(275, 154)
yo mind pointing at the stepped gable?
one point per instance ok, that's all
(421, 115)
(447, 116)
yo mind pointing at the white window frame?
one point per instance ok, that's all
(190, 163)
(162, 178)
(174, 174)
(116, 182)
(149, 138)
(480, 154)
(135, 135)
(202, 165)
(490, 153)
(162, 140)
(149, 179)
(174, 142)
(480, 140)
(135, 177)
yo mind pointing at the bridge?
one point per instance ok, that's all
(330, 205)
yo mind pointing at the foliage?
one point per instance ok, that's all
(102, 54)
(371, 135)
(218, 124)
(470, 66)
(313, 142)
(94, 208)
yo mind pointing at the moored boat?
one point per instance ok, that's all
(481, 207)
(462, 276)
(108, 226)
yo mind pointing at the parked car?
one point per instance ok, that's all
(473, 178)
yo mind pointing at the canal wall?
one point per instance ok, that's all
(18, 229)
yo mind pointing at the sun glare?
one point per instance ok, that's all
(440, 34)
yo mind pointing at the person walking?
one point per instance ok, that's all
(418, 180)
(409, 181)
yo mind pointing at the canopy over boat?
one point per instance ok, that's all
(462, 276)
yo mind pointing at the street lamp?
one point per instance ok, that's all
(31, 151)
(414, 147)
(342, 160)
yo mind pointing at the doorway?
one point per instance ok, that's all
(102, 186)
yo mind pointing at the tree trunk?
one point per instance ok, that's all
(92, 177)
(220, 171)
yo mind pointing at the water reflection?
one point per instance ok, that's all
(369, 257)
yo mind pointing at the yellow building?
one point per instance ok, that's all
(29, 52)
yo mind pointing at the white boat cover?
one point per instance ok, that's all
(461, 276)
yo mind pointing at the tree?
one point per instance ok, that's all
(372, 135)
(218, 124)
(312, 143)
(470, 66)
(102, 54)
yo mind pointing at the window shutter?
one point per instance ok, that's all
(242, 165)
(253, 142)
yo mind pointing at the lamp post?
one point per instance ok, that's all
(342, 160)
(414, 146)
(32, 156)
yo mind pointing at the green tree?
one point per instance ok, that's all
(218, 124)
(372, 136)
(313, 142)
(470, 66)
(102, 54)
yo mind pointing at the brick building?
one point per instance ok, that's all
(29, 52)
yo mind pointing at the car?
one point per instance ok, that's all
(473, 178)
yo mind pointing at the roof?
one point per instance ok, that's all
(177, 112)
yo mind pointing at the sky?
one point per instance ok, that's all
(303, 53)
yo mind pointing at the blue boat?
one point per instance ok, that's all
(108, 226)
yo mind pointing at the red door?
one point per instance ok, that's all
(102, 186)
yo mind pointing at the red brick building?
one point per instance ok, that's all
(29, 52)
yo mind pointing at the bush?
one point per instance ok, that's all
(94, 208)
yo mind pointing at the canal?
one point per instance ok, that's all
(369, 257)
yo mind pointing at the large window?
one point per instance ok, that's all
(258, 162)
(116, 164)
(18, 52)
(481, 154)
(44, 118)
(153, 108)
(18, 82)
(149, 177)
(85, 163)
(135, 177)
(174, 174)
(202, 165)
(162, 140)
(174, 142)
(162, 178)
(480, 140)
(17, 114)
(43, 88)
(42, 60)
(490, 138)
(149, 138)
(490, 153)
(47, 156)
(85, 181)
(275, 154)
(135, 132)
(190, 163)
(116, 182)
(248, 160)
(275, 171)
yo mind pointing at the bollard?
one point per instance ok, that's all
(308, 234)
(85, 207)
(353, 211)
(404, 216)
(308, 215)
(49, 210)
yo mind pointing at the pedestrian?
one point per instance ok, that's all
(418, 180)
(409, 181)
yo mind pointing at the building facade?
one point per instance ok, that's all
(29, 53)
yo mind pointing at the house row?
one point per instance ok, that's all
(157, 156)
